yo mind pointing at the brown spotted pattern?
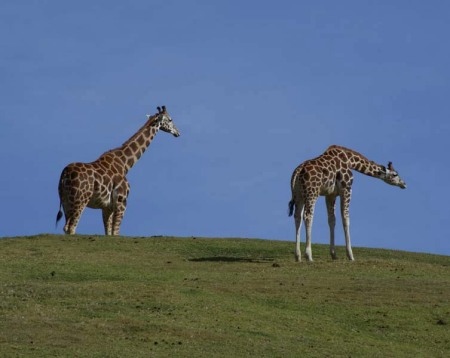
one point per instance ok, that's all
(330, 175)
(102, 184)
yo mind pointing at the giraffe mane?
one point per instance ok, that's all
(149, 122)
(354, 152)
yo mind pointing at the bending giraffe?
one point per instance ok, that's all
(102, 184)
(330, 175)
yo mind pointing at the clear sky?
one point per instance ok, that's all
(255, 87)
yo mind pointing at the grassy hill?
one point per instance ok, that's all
(90, 296)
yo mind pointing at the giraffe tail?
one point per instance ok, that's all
(59, 215)
(291, 207)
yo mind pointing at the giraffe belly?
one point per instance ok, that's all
(328, 190)
(99, 201)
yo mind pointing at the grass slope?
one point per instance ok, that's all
(89, 296)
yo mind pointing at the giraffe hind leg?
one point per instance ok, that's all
(67, 226)
(308, 216)
(298, 215)
(331, 205)
(73, 215)
(68, 213)
(72, 222)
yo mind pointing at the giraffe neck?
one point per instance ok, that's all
(357, 161)
(129, 153)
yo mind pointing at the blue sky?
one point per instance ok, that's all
(255, 87)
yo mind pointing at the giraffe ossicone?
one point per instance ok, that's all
(330, 175)
(102, 184)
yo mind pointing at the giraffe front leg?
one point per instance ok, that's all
(345, 203)
(331, 205)
(298, 224)
(122, 191)
(107, 215)
(117, 218)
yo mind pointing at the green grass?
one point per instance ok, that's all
(90, 296)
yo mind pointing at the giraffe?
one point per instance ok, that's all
(330, 175)
(102, 184)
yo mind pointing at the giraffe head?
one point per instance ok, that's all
(165, 122)
(390, 176)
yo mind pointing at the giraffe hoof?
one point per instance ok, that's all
(308, 258)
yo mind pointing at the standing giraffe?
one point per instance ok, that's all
(102, 184)
(330, 175)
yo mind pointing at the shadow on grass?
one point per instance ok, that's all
(231, 259)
